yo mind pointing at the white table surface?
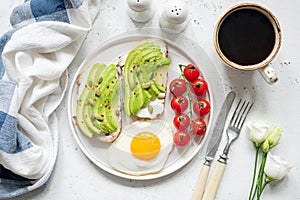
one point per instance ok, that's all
(75, 177)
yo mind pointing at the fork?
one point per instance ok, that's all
(233, 131)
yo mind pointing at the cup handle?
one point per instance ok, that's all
(269, 74)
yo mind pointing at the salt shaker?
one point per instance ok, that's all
(140, 10)
(174, 17)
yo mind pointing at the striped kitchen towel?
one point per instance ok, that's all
(35, 54)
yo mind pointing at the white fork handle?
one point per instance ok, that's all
(213, 185)
(201, 182)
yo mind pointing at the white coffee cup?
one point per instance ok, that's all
(248, 37)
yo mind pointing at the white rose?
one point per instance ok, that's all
(272, 139)
(275, 167)
(258, 131)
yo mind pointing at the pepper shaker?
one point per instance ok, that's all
(174, 17)
(140, 10)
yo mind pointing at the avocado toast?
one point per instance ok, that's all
(98, 107)
(145, 75)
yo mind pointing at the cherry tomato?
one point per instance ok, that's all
(199, 127)
(181, 121)
(199, 87)
(201, 107)
(191, 72)
(181, 138)
(177, 87)
(179, 104)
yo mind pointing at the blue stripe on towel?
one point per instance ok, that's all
(3, 40)
(73, 4)
(11, 139)
(51, 10)
(21, 13)
(12, 185)
(7, 174)
(2, 119)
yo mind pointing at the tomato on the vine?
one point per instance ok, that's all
(201, 107)
(177, 86)
(179, 104)
(191, 72)
(199, 87)
(199, 126)
(181, 138)
(181, 121)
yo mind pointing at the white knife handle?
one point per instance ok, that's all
(213, 185)
(201, 182)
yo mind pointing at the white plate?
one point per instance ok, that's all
(181, 51)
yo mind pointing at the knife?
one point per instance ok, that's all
(213, 145)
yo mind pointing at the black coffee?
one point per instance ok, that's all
(246, 37)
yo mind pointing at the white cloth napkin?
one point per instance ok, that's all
(33, 80)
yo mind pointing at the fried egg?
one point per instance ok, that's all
(143, 147)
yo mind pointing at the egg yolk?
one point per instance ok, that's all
(145, 146)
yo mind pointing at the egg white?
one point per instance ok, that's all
(121, 159)
(158, 106)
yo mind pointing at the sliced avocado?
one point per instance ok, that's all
(103, 104)
(139, 67)
(154, 55)
(136, 68)
(160, 87)
(147, 97)
(133, 53)
(128, 70)
(105, 109)
(136, 100)
(134, 58)
(146, 72)
(109, 73)
(154, 88)
(98, 90)
(162, 61)
(83, 120)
